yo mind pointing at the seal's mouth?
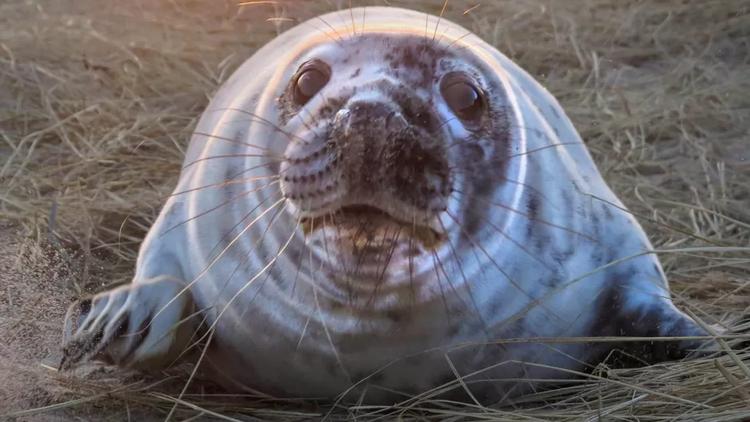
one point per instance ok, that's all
(364, 222)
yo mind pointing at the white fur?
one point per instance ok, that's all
(269, 337)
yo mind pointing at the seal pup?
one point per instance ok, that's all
(388, 203)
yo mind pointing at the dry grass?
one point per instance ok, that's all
(97, 103)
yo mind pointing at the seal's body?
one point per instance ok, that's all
(390, 201)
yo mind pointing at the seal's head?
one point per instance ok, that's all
(391, 137)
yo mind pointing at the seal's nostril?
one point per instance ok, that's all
(395, 122)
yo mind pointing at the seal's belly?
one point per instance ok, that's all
(262, 343)
(298, 370)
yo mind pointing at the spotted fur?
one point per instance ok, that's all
(519, 236)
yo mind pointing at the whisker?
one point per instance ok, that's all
(258, 242)
(436, 258)
(212, 209)
(461, 171)
(304, 122)
(341, 39)
(192, 375)
(410, 257)
(652, 220)
(510, 279)
(510, 239)
(262, 271)
(354, 25)
(440, 286)
(562, 286)
(458, 39)
(469, 10)
(260, 119)
(442, 11)
(256, 2)
(385, 260)
(223, 156)
(216, 259)
(466, 282)
(530, 218)
(229, 232)
(212, 328)
(226, 183)
(327, 332)
(531, 151)
(230, 140)
(364, 12)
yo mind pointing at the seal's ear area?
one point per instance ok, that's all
(144, 325)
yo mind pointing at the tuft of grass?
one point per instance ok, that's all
(97, 105)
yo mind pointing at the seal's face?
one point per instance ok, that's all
(384, 132)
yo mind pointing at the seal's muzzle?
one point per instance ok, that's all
(376, 159)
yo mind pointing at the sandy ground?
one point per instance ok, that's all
(31, 308)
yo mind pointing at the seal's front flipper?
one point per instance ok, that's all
(144, 325)
(654, 320)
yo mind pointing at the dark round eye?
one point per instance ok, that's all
(310, 80)
(463, 98)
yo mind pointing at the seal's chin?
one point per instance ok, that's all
(371, 228)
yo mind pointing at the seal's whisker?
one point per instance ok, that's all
(344, 264)
(505, 274)
(650, 219)
(467, 284)
(260, 119)
(304, 122)
(456, 40)
(528, 216)
(222, 157)
(360, 257)
(389, 255)
(226, 236)
(227, 183)
(327, 332)
(192, 374)
(251, 281)
(437, 25)
(410, 255)
(325, 246)
(471, 9)
(440, 286)
(502, 233)
(216, 259)
(214, 208)
(341, 39)
(354, 25)
(436, 258)
(364, 12)
(321, 316)
(302, 333)
(211, 136)
(380, 274)
(248, 256)
(561, 144)
(469, 172)
(192, 343)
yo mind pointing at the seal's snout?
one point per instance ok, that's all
(364, 115)
(376, 153)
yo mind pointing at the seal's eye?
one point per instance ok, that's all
(463, 97)
(312, 78)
